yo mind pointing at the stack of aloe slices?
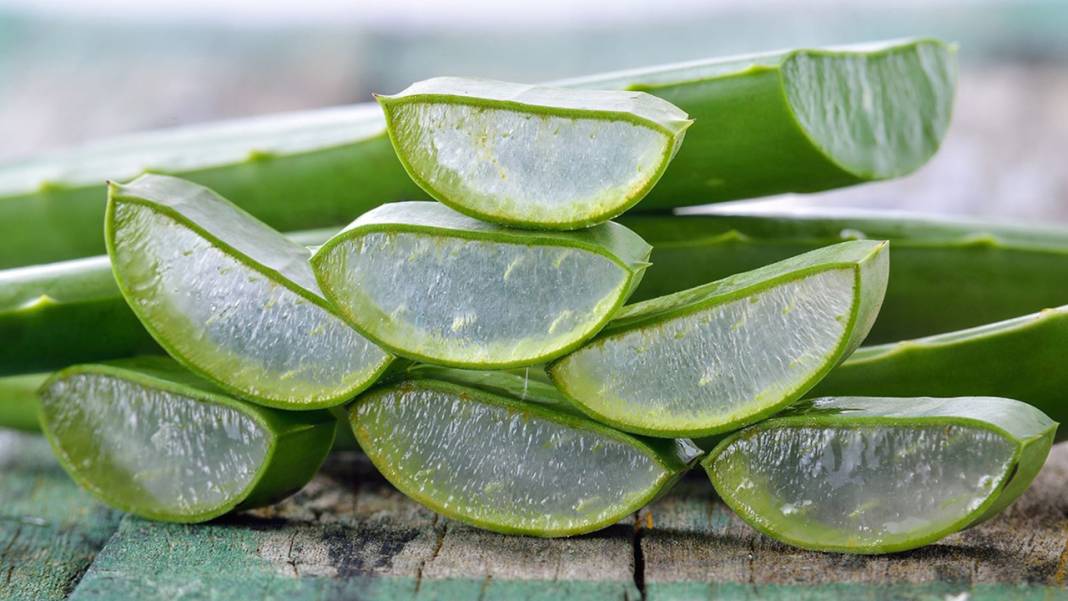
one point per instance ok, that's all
(592, 406)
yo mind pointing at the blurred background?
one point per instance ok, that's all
(76, 70)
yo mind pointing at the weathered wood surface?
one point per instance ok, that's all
(349, 535)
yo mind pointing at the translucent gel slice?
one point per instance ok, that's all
(472, 302)
(151, 451)
(231, 322)
(718, 365)
(863, 487)
(500, 466)
(515, 154)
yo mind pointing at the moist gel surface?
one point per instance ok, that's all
(159, 452)
(823, 486)
(470, 301)
(231, 321)
(715, 364)
(482, 155)
(501, 468)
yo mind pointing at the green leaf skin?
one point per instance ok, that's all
(59, 314)
(145, 436)
(880, 475)
(1021, 358)
(505, 454)
(293, 171)
(979, 272)
(318, 168)
(18, 401)
(529, 156)
(798, 121)
(436, 286)
(231, 299)
(717, 357)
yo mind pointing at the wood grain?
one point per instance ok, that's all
(350, 535)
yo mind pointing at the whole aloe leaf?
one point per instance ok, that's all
(759, 131)
(1019, 358)
(147, 437)
(530, 156)
(433, 285)
(879, 475)
(979, 272)
(506, 454)
(717, 357)
(232, 299)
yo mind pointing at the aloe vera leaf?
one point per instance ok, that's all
(717, 357)
(231, 299)
(145, 436)
(802, 120)
(68, 312)
(433, 285)
(18, 401)
(879, 475)
(980, 272)
(293, 171)
(471, 448)
(1019, 358)
(530, 156)
(338, 162)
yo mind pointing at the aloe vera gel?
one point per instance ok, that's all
(148, 437)
(505, 454)
(877, 475)
(550, 158)
(232, 299)
(433, 285)
(714, 358)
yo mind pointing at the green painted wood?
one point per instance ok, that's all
(349, 535)
(50, 530)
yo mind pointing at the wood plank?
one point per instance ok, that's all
(50, 530)
(693, 547)
(349, 534)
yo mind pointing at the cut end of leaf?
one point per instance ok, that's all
(423, 284)
(717, 357)
(875, 475)
(156, 448)
(502, 464)
(538, 157)
(877, 113)
(231, 318)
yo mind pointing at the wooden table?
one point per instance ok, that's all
(350, 535)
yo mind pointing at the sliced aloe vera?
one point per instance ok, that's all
(19, 404)
(59, 314)
(800, 120)
(433, 285)
(980, 272)
(878, 475)
(505, 454)
(548, 158)
(1021, 358)
(149, 438)
(232, 299)
(716, 357)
